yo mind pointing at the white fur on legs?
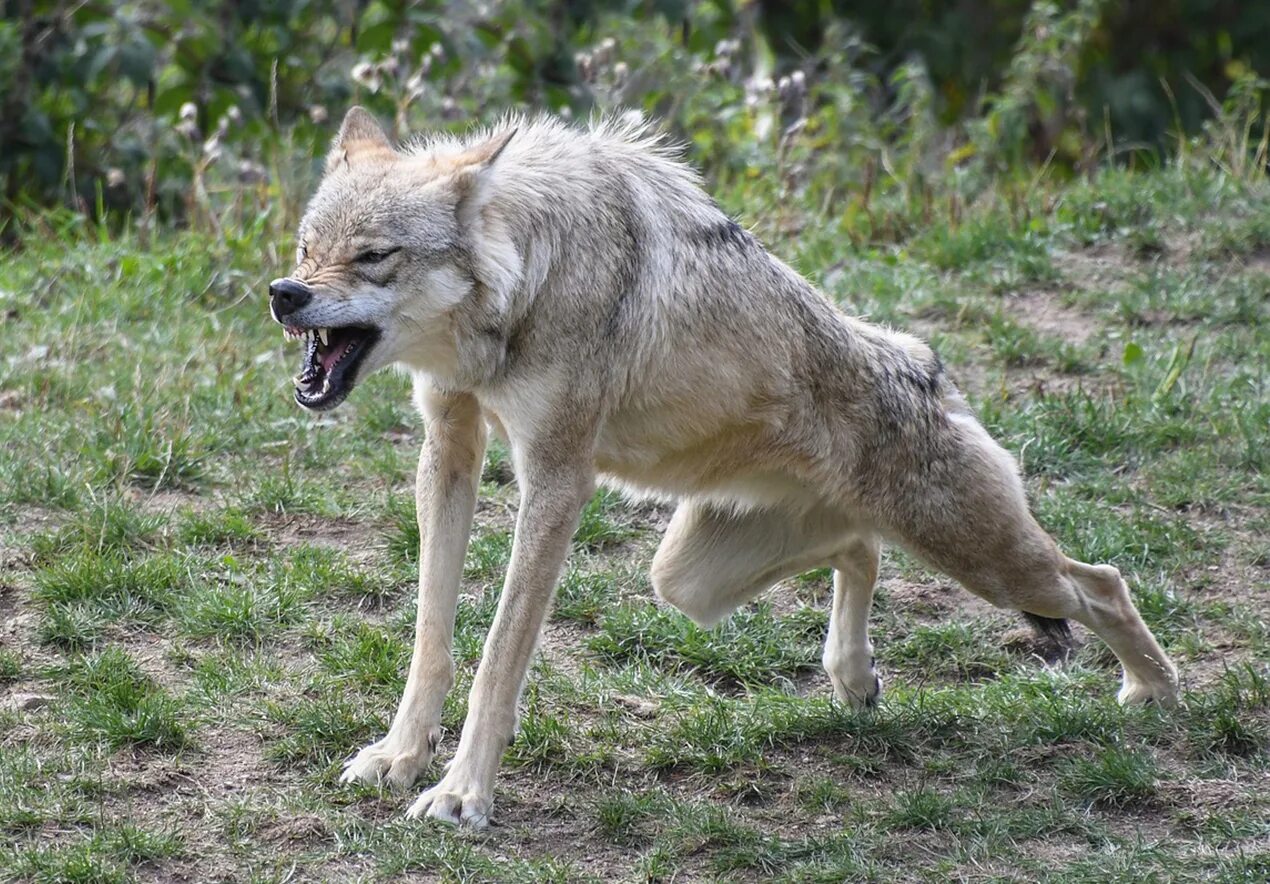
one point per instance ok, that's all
(712, 560)
(1052, 585)
(393, 761)
(1097, 596)
(552, 497)
(1133, 692)
(445, 500)
(848, 657)
(1106, 607)
(457, 799)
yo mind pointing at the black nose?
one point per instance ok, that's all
(288, 295)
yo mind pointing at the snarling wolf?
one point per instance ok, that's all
(575, 291)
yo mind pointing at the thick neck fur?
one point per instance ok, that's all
(564, 214)
(595, 252)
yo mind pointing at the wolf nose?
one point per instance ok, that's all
(288, 295)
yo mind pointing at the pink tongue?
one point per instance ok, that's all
(332, 355)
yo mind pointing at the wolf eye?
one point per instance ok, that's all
(374, 256)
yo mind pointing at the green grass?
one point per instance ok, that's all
(115, 587)
(113, 703)
(601, 525)
(111, 527)
(364, 655)
(212, 596)
(1115, 776)
(754, 646)
(243, 612)
(105, 855)
(11, 665)
(225, 527)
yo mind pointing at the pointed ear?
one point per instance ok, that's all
(483, 155)
(360, 125)
(359, 132)
(469, 176)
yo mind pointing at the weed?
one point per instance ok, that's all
(601, 524)
(921, 808)
(753, 646)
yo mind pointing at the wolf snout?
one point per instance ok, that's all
(288, 295)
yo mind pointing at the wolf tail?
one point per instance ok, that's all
(1054, 629)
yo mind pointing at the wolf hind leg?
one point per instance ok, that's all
(1104, 605)
(1096, 596)
(982, 533)
(713, 559)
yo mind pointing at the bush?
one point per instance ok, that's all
(201, 111)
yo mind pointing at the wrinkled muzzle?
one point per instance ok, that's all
(331, 356)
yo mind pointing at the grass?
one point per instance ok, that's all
(1115, 776)
(112, 703)
(210, 596)
(754, 646)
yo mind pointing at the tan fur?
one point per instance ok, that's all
(577, 292)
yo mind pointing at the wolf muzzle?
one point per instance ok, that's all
(287, 295)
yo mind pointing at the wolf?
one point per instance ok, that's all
(575, 291)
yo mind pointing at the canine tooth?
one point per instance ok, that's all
(324, 334)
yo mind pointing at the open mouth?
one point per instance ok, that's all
(332, 356)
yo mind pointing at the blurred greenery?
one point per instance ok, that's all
(186, 111)
(1132, 48)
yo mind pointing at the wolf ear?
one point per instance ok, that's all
(360, 132)
(483, 155)
(469, 177)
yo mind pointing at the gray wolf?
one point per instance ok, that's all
(575, 291)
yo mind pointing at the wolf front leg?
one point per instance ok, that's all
(445, 497)
(551, 501)
(848, 657)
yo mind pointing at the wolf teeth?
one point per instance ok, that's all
(324, 334)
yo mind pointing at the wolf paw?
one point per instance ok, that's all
(860, 686)
(456, 801)
(392, 762)
(1132, 692)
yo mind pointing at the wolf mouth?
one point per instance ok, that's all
(328, 370)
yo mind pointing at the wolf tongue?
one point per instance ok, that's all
(331, 353)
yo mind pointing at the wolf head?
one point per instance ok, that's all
(385, 255)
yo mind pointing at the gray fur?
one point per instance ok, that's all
(578, 292)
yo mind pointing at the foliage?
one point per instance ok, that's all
(203, 112)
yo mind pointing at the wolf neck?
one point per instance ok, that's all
(585, 246)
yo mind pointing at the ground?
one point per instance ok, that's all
(206, 596)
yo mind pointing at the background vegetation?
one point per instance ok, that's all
(206, 597)
(177, 107)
